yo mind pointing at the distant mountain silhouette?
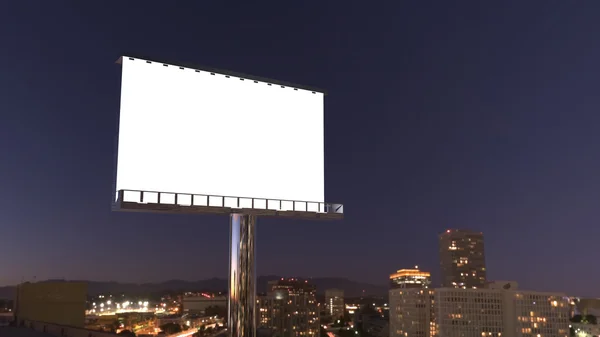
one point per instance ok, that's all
(351, 288)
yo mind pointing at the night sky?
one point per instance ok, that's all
(444, 114)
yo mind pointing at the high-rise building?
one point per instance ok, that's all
(335, 302)
(410, 278)
(289, 309)
(462, 259)
(496, 311)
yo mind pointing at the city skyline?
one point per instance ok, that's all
(437, 118)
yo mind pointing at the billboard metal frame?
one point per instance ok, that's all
(223, 72)
(272, 207)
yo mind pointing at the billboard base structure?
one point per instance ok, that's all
(242, 276)
(243, 212)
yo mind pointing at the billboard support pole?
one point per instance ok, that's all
(242, 276)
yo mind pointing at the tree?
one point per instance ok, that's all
(326, 320)
(170, 328)
(126, 333)
(587, 319)
(346, 333)
(114, 326)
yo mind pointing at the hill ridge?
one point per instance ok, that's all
(351, 288)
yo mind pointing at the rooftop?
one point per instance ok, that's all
(410, 272)
(7, 331)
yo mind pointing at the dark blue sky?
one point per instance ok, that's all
(439, 114)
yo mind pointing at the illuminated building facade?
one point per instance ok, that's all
(335, 302)
(352, 309)
(289, 309)
(470, 312)
(410, 278)
(412, 312)
(541, 314)
(462, 259)
(501, 310)
(264, 312)
(498, 310)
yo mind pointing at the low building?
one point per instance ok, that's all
(168, 319)
(6, 306)
(199, 304)
(61, 303)
(334, 299)
(6, 318)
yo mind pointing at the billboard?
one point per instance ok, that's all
(186, 130)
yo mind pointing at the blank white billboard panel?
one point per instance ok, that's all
(190, 131)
